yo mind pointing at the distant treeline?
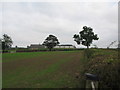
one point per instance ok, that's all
(40, 50)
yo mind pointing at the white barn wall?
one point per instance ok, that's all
(64, 47)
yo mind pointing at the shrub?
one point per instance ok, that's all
(88, 53)
(107, 67)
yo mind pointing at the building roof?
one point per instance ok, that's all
(36, 45)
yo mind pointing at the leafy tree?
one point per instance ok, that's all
(51, 42)
(86, 36)
(6, 42)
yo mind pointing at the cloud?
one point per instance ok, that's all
(31, 22)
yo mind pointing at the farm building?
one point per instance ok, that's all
(36, 46)
(65, 46)
(39, 46)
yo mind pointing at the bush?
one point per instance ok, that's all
(88, 53)
(107, 67)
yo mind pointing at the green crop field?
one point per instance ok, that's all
(60, 69)
(41, 69)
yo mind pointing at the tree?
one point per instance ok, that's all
(6, 42)
(51, 42)
(86, 36)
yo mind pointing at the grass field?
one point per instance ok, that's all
(59, 69)
(42, 69)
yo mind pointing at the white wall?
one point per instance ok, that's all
(64, 47)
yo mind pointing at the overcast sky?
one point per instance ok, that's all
(31, 22)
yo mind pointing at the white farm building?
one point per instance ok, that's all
(39, 46)
(65, 46)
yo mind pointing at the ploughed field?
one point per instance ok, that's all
(57, 69)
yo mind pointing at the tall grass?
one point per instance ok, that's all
(106, 65)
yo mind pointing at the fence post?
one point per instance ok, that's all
(91, 81)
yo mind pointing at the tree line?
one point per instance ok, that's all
(85, 37)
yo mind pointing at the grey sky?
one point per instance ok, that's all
(31, 22)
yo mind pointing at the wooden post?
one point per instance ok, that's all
(91, 81)
(93, 86)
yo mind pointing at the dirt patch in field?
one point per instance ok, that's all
(73, 66)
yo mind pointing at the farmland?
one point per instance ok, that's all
(58, 69)
(41, 69)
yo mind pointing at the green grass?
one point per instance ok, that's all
(7, 57)
(56, 71)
